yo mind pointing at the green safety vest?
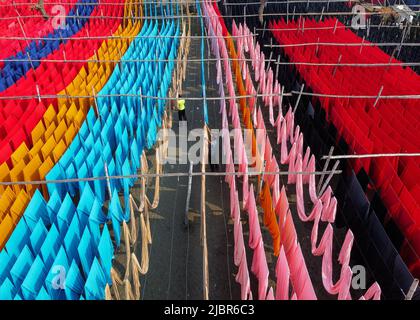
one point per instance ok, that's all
(181, 105)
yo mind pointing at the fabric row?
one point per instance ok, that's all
(376, 237)
(275, 201)
(55, 130)
(301, 280)
(367, 125)
(49, 79)
(67, 226)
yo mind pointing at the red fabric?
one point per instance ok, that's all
(389, 127)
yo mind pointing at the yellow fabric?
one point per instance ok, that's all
(48, 147)
(71, 113)
(37, 132)
(70, 134)
(19, 206)
(45, 167)
(59, 150)
(181, 104)
(6, 227)
(6, 201)
(50, 115)
(61, 114)
(35, 149)
(16, 174)
(30, 173)
(60, 130)
(50, 131)
(4, 176)
(20, 153)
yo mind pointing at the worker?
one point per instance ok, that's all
(181, 108)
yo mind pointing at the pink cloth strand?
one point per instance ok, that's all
(242, 277)
(291, 177)
(305, 165)
(283, 277)
(284, 158)
(270, 294)
(254, 225)
(260, 269)
(373, 293)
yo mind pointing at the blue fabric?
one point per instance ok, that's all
(86, 251)
(106, 253)
(56, 174)
(43, 295)
(37, 237)
(203, 75)
(74, 282)
(34, 280)
(6, 262)
(53, 206)
(55, 281)
(7, 290)
(95, 283)
(117, 216)
(18, 239)
(65, 214)
(99, 185)
(96, 214)
(72, 187)
(91, 118)
(21, 266)
(36, 209)
(72, 239)
(86, 200)
(95, 232)
(50, 246)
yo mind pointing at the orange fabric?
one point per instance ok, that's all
(270, 220)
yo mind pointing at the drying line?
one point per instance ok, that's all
(372, 155)
(163, 175)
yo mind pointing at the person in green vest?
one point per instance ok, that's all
(181, 108)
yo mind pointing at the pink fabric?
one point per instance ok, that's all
(300, 276)
(260, 121)
(283, 276)
(373, 293)
(260, 269)
(254, 225)
(245, 190)
(268, 152)
(312, 182)
(242, 277)
(284, 155)
(278, 125)
(270, 294)
(282, 207)
(305, 165)
(239, 246)
(291, 178)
